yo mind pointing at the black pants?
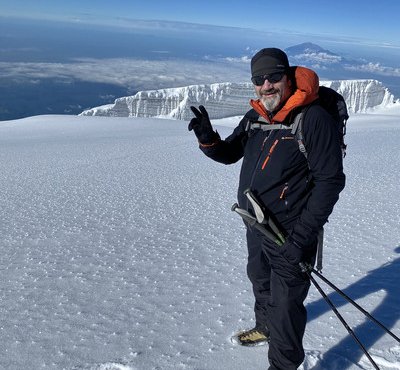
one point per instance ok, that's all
(280, 289)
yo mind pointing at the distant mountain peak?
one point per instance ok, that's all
(313, 56)
(306, 48)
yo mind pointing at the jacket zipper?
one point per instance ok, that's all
(269, 154)
(256, 166)
(283, 197)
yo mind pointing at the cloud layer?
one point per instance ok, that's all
(375, 68)
(140, 74)
(132, 73)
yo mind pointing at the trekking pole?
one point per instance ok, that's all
(261, 217)
(344, 295)
(305, 268)
(252, 221)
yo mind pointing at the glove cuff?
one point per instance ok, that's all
(211, 140)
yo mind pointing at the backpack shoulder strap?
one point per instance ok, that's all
(297, 129)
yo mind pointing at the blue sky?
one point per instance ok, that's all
(370, 21)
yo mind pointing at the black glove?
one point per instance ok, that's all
(292, 252)
(201, 126)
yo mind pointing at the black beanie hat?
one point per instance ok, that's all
(269, 60)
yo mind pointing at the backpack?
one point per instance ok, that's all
(335, 105)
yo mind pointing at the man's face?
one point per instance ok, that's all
(271, 94)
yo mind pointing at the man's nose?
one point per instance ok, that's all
(267, 85)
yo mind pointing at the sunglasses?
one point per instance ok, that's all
(272, 78)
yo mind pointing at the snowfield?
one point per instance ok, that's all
(119, 250)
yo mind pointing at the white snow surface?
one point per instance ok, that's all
(119, 250)
(230, 99)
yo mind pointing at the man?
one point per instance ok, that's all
(299, 192)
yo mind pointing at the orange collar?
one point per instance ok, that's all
(307, 85)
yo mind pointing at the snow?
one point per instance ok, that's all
(119, 250)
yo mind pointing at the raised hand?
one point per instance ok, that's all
(201, 125)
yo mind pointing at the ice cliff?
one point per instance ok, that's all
(229, 99)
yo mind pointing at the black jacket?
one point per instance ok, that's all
(299, 192)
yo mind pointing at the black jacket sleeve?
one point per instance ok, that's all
(325, 161)
(231, 149)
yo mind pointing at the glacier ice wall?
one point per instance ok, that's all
(229, 99)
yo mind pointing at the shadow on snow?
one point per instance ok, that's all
(385, 278)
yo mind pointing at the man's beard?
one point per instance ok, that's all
(271, 102)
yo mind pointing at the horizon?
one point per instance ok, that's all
(65, 58)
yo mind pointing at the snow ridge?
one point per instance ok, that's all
(230, 99)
